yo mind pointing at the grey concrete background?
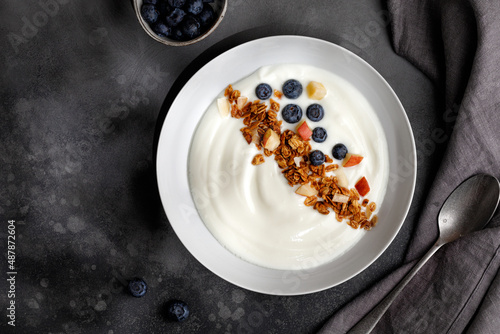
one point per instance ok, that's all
(82, 89)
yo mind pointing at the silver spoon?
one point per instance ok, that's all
(469, 208)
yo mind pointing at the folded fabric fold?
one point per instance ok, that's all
(456, 44)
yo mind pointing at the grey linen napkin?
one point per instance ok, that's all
(457, 44)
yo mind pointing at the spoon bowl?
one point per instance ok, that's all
(468, 209)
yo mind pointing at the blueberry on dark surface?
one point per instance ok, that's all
(149, 13)
(316, 157)
(175, 17)
(153, 2)
(319, 134)
(315, 112)
(263, 91)
(161, 29)
(207, 15)
(291, 113)
(177, 310)
(339, 151)
(194, 6)
(137, 287)
(176, 3)
(191, 27)
(292, 89)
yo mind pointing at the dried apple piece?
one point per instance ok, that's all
(362, 186)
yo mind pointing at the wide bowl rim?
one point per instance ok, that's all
(185, 220)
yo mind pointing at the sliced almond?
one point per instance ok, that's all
(255, 136)
(342, 178)
(224, 106)
(306, 190)
(241, 101)
(340, 198)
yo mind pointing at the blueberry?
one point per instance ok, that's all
(164, 8)
(291, 113)
(191, 27)
(292, 89)
(339, 151)
(207, 15)
(177, 310)
(263, 91)
(137, 287)
(194, 6)
(315, 112)
(176, 3)
(149, 13)
(161, 29)
(177, 34)
(319, 134)
(175, 17)
(316, 157)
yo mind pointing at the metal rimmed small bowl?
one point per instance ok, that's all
(219, 7)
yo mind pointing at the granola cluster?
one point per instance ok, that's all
(323, 192)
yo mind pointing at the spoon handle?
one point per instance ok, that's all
(367, 324)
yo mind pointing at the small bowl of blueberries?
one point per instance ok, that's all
(179, 22)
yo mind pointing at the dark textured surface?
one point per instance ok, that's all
(81, 109)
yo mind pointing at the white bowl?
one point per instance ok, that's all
(219, 7)
(231, 66)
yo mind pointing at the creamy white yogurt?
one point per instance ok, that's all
(251, 210)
